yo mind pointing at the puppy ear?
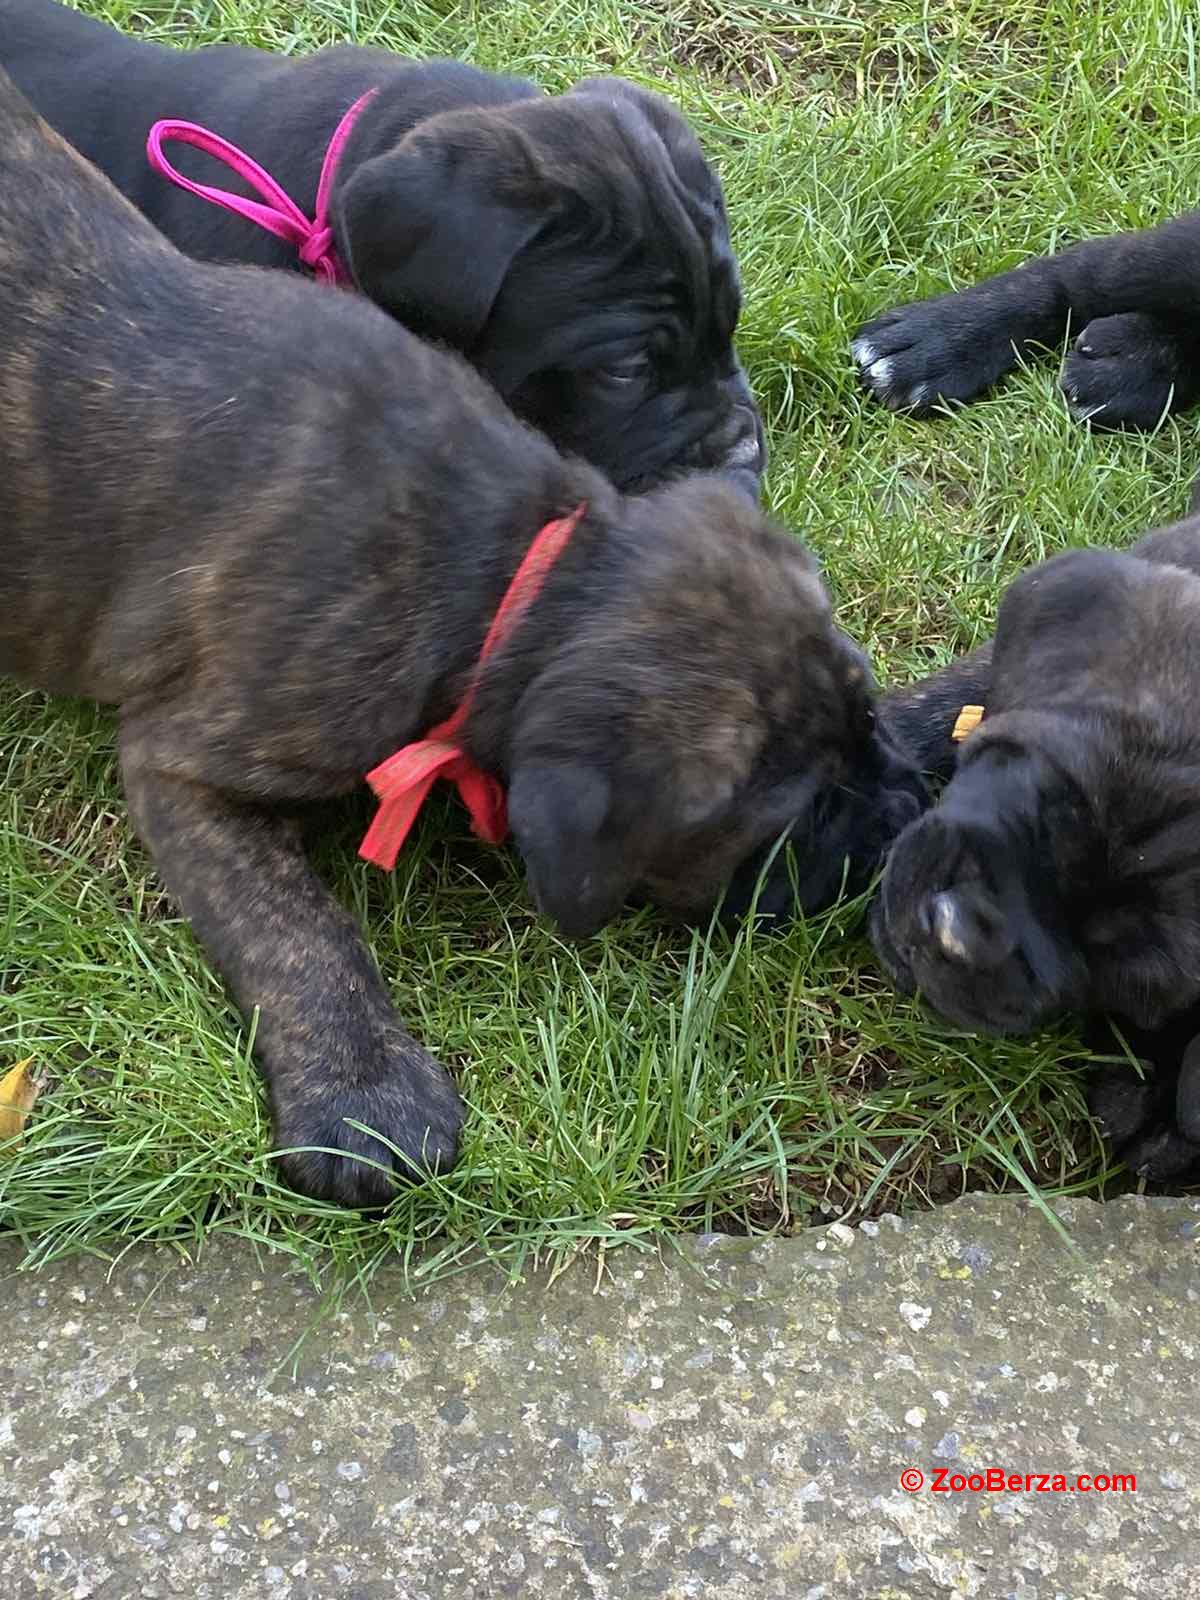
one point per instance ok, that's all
(558, 811)
(431, 228)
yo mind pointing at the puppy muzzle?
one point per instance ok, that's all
(984, 954)
(735, 446)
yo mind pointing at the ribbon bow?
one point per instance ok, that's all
(404, 780)
(281, 215)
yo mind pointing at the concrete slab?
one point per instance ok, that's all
(730, 1421)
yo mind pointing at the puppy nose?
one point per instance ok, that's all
(967, 927)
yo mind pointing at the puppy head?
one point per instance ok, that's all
(696, 704)
(575, 248)
(1061, 870)
(972, 909)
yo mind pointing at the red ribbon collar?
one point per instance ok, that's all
(404, 780)
(280, 215)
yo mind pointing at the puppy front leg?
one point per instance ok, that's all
(1135, 302)
(329, 1042)
(1132, 299)
(954, 347)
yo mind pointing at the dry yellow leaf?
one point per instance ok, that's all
(969, 719)
(18, 1091)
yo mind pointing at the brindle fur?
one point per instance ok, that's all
(271, 526)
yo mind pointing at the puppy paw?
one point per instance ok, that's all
(948, 349)
(1152, 1121)
(415, 1110)
(1128, 371)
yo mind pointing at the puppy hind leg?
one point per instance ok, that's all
(1187, 1095)
(328, 1041)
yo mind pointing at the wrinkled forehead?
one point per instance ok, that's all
(635, 253)
(565, 308)
(643, 117)
(687, 234)
(662, 199)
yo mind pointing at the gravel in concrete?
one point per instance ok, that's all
(730, 1421)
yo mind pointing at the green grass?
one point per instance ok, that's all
(871, 152)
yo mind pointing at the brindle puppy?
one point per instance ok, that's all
(272, 527)
(573, 247)
(1061, 870)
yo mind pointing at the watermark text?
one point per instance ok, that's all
(996, 1480)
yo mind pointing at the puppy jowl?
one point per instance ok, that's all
(273, 604)
(573, 247)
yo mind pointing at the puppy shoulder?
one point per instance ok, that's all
(1067, 591)
(1177, 545)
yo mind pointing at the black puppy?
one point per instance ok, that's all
(574, 248)
(1135, 299)
(226, 501)
(1061, 870)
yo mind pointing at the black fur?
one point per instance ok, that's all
(1061, 870)
(1133, 300)
(574, 248)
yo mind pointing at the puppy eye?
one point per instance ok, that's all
(627, 371)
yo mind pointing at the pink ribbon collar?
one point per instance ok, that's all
(281, 215)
